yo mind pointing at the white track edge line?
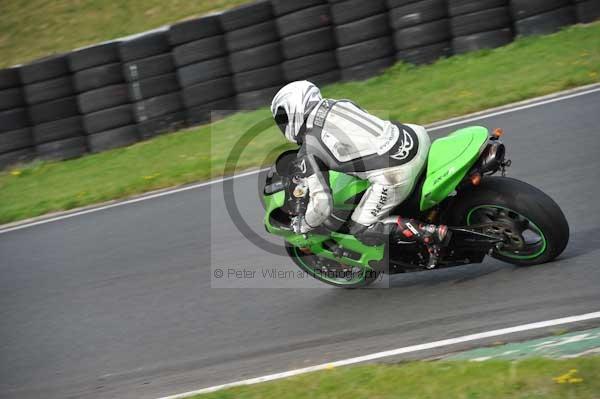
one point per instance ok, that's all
(126, 202)
(393, 352)
(514, 109)
(534, 102)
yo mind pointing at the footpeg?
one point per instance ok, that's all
(434, 256)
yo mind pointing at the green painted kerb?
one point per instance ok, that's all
(569, 345)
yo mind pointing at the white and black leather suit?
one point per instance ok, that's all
(341, 136)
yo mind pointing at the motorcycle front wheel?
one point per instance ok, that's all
(331, 272)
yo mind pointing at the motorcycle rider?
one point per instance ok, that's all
(339, 135)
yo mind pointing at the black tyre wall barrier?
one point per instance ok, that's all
(15, 133)
(93, 56)
(201, 57)
(15, 157)
(538, 17)
(479, 25)
(283, 7)
(462, 7)
(68, 148)
(421, 30)
(116, 93)
(104, 76)
(144, 45)
(9, 78)
(254, 53)
(481, 40)
(13, 119)
(304, 20)
(100, 86)
(363, 36)
(587, 10)
(50, 94)
(101, 89)
(153, 89)
(307, 41)
(11, 97)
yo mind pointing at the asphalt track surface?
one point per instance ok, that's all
(123, 302)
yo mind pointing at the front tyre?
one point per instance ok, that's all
(331, 272)
(532, 225)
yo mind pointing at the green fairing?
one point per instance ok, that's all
(345, 187)
(315, 241)
(450, 158)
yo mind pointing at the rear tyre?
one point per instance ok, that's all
(533, 226)
(334, 275)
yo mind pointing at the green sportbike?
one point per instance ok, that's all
(488, 215)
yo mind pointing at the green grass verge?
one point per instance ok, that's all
(31, 29)
(531, 379)
(451, 87)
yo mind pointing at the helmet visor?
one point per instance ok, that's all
(281, 119)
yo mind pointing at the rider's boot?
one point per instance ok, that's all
(428, 234)
(434, 237)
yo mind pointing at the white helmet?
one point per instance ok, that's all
(291, 106)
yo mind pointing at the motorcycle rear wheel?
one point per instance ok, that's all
(533, 226)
